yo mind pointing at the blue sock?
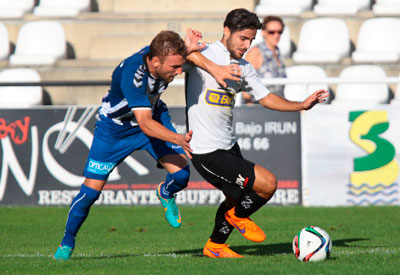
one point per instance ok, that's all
(175, 182)
(78, 213)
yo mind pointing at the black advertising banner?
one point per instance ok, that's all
(272, 139)
(43, 152)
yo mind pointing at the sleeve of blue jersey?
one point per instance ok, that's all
(134, 88)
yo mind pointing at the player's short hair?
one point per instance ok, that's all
(167, 43)
(271, 18)
(240, 19)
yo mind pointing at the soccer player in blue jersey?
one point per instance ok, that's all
(132, 117)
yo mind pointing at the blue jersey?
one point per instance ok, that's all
(132, 87)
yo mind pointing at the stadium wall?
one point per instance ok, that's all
(329, 156)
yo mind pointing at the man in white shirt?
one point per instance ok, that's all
(216, 155)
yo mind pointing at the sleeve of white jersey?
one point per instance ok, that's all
(253, 82)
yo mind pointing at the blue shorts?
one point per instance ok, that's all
(108, 149)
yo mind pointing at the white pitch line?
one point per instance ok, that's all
(378, 250)
(26, 256)
(84, 255)
(172, 255)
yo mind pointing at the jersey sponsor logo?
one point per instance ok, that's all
(138, 79)
(219, 98)
(100, 168)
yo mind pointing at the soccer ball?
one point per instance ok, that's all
(312, 244)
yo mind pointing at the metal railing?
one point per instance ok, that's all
(327, 80)
(180, 82)
(56, 83)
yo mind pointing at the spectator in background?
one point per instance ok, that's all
(265, 56)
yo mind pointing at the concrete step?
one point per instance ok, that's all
(120, 45)
(84, 35)
(131, 6)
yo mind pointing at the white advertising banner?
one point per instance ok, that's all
(351, 156)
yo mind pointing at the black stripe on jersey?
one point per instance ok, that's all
(138, 79)
(186, 108)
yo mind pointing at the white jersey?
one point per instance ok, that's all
(210, 107)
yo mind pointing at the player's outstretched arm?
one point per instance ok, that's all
(318, 96)
(219, 72)
(192, 41)
(154, 129)
(276, 102)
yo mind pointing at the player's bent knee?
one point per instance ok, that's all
(272, 184)
(181, 177)
(266, 183)
(268, 186)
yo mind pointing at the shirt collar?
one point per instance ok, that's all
(146, 66)
(222, 46)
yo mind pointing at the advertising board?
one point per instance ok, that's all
(43, 152)
(350, 156)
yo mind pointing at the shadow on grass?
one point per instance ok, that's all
(102, 257)
(252, 249)
(347, 242)
(270, 249)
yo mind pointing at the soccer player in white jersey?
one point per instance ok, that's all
(215, 153)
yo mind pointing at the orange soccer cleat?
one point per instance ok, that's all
(246, 226)
(216, 250)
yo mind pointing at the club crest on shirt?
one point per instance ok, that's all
(219, 98)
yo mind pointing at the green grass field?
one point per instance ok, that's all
(137, 240)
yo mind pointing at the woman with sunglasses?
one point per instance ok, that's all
(265, 56)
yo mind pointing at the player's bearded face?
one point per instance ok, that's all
(239, 42)
(170, 66)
